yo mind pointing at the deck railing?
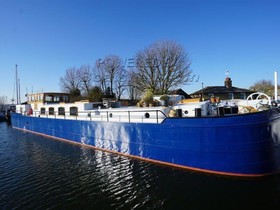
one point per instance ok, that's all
(131, 116)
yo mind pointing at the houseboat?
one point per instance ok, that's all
(236, 138)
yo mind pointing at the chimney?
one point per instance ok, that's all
(228, 82)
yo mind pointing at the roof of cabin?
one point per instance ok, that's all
(48, 93)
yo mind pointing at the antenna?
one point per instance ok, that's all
(227, 73)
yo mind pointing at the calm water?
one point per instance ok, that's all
(42, 173)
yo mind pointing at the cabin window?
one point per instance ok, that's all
(230, 96)
(43, 111)
(51, 111)
(65, 98)
(48, 98)
(147, 115)
(73, 110)
(61, 111)
(242, 96)
(211, 95)
(56, 98)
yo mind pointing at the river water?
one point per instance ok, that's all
(42, 173)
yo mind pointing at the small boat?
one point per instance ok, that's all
(5, 115)
(235, 137)
(8, 115)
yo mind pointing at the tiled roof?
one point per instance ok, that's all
(221, 89)
(180, 92)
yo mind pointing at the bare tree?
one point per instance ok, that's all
(120, 82)
(160, 67)
(3, 101)
(265, 86)
(70, 81)
(112, 65)
(111, 75)
(145, 73)
(84, 75)
(133, 92)
(101, 77)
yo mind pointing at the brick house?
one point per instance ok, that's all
(223, 92)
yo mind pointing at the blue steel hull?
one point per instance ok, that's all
(240, 145)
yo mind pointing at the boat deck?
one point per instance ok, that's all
(148, 115)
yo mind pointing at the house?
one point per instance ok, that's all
(180, 92)
(223, 92)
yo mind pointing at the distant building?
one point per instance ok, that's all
(179, 92)
(223, 92)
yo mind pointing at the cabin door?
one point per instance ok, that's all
(35, 106)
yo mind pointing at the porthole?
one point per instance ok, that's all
(147, 115)
(111, 115)
(186, 112)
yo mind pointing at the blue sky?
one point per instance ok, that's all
(45, 37)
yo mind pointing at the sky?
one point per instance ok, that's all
(46, 37)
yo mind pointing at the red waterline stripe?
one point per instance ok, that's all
(149, 160)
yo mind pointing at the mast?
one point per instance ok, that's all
(275, 85)
(17, 81)
(17, 85)
(19, 100)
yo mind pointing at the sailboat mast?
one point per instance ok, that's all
(275, 85)
(17, 84)
(19, 100)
